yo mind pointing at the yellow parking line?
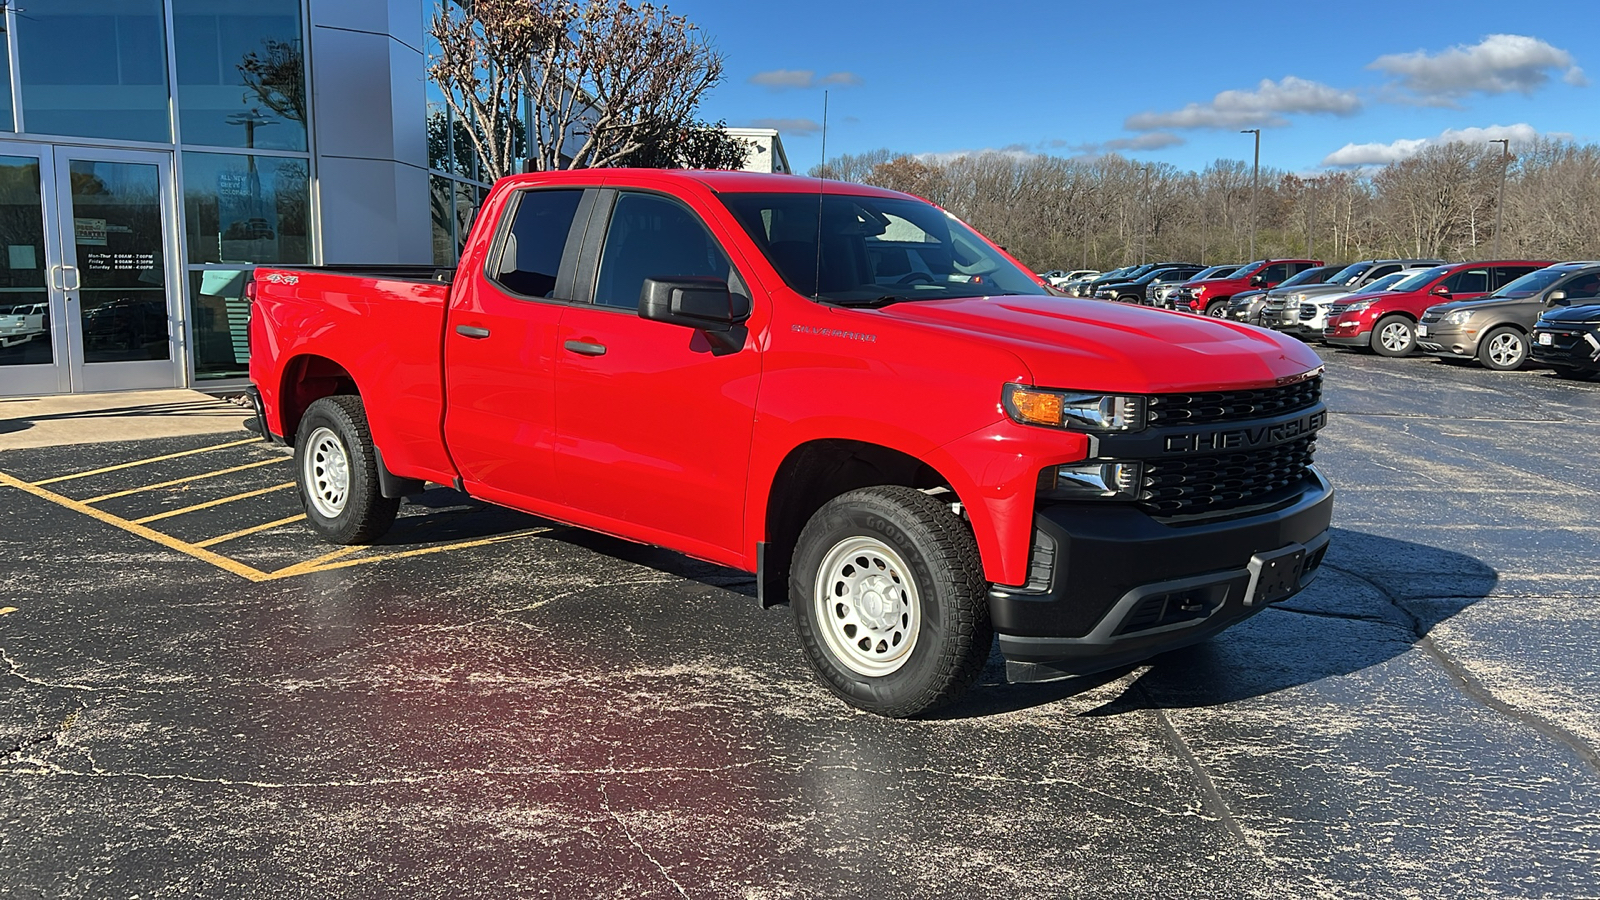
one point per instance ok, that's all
(140, 462)
(151, 487)
(306, 568)
(210, 503)
(211, 542)
(221, 562)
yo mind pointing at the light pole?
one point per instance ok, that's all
(1255, 186)
(1144, 227)
(1500, 195)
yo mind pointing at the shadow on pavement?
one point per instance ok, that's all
(1373, 600)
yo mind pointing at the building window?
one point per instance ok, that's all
(8, 118)
(246, 208)
(94, 68)
(241, 75)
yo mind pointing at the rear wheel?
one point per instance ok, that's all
(890, 601)
(1394, 336)
(1503, 349)
(337, 472)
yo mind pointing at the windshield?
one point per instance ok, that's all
(874, 250)
(1531, 283)
(1390, 282)
(1350, 274)
(1309, 276)
(1414, 279)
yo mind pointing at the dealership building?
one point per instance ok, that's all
(157, 149)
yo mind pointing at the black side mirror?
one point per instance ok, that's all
(1258, 279)
(695, 301)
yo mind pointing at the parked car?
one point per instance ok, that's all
(1310, 316)
(1121, 275)
(659, 355)
(1567, 339)
(1286, 311)
(1386, 323)
(1210, 296)
(1248, 307)
(1136, 291)
(1495, 330)
(1059, 277)
(1163, 293)
(1084, 287)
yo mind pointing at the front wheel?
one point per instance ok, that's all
(1217, 309)
(337, 471)
(890, 601)
(1503, 349)
(1394, 336)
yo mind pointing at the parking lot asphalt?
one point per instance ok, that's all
(201, 700)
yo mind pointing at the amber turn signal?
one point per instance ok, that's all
(1035, 407)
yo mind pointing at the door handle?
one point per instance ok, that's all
(58, 280)
(472, 331)
(76, 284)
(586, 348)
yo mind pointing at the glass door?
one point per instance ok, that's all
(33, 338)
(114, 209)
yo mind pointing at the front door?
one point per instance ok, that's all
(87, 299)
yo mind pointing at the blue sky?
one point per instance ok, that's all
(1328, 84)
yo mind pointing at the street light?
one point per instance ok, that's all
(1500, 194)
(1144, 228)
(1255, 186)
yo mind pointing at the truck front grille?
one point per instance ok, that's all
(1201, 484)
(1231, 406)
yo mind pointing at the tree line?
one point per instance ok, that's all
(1052, 212)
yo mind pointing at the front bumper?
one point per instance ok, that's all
(1112, 586)
(1448, 341)
(1569, 347)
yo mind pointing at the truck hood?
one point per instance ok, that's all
(1097, 346)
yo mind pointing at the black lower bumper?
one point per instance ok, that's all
(1364, 339)
(1112, 586)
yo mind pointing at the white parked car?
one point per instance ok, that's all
(21, 324)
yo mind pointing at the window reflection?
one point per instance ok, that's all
(95, 68)
(219, 318)
(241, 75)
(8, 121)
(240, 208)
(24, 304)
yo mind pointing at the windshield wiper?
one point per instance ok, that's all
(874, 303)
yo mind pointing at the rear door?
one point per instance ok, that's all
(500, 347)
(655, 424)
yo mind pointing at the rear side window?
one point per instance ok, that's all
(653, 237)
(1504, 275)
(532, 253)
(1377, 272)
(1468, 281)
(1585, 285)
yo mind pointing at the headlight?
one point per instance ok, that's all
(1073, 410)
(1087, 480)
(1459, 317)
(1358, 306)
(1297, 298)
(1198, 291)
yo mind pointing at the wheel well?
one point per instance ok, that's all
(1399, 312)
(816, 472)
(307, 379)
(1514, 326)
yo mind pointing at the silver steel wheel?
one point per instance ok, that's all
(326, 471)
(1505, 349)
(866, 602)
(1395, 337)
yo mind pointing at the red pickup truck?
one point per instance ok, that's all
(1210, 296)
(842, 389)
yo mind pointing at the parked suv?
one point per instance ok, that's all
(1306, 320)
(1250, 306)
(1386, 322)
(1164, 293)
(1567, 339)
(1495, 330)
(1137, 290)
(1211, 296)
(1289, 314)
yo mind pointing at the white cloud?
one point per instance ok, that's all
(1153, 140)
(802, 79)
(1351, 155)
(1499, 64)
(1014, 151)
(1265, 106)
(795, 127)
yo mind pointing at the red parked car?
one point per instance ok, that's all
(1211, 295)
(1386, 322)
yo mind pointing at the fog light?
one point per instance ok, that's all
(1087, 480)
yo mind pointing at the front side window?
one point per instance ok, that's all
(1532, 283)
(1586, 285)
(1274, 273)
(1468, 281)
(1350, 274)
(653, 237)
(531, 256)
(874, 250)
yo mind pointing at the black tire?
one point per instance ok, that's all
(1217, 309)
(1503, 349)
(1394, 336)
(359, 513)
(893, 650)
(1573, 374)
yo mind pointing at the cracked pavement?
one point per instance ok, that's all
(567, 715)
